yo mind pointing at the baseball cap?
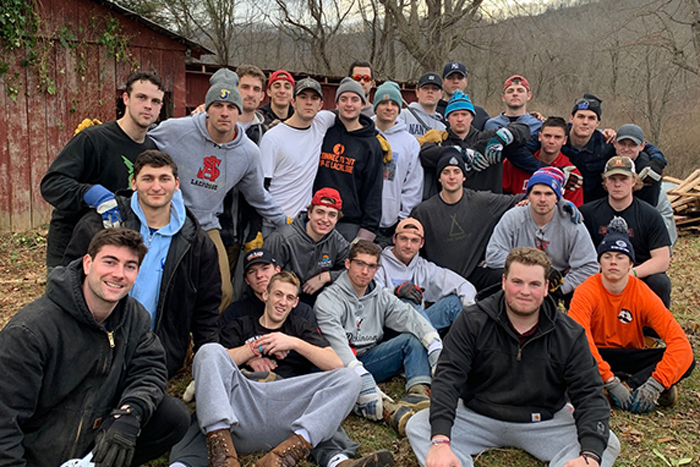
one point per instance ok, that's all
(619, 165)
(430, 78)
(630, 131)
(410, 225)
(256, 256)
(328, 197)
(308, 83)
(280, 75)
(522, 80)
(454, 67)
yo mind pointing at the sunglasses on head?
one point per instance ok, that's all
(365, 78)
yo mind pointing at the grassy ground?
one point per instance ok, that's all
(661, 438)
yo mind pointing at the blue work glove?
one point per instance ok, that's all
(434, 350)
(570, 208)
(494, 148)
(645, 396)
(116, 441)
(103, 201)
(369, 404)
(619, 393)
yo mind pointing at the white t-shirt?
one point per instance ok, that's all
(290, 158)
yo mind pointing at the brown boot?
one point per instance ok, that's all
(417, 398)
(221, 450)
(288, 453)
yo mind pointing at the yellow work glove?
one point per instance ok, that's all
(386, 148)
(433, 136)
(86, 123)
(257, 242)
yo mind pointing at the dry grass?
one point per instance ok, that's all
(674, 433)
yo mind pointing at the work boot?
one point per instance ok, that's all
(397, 416)
(417, 398)
(381, 458)
(221, 450)
(288, 453)
(668, 398)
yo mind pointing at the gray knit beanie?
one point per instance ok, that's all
(224, 88)
(350, 85)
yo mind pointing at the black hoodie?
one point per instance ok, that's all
(352, 163)
(62, 372)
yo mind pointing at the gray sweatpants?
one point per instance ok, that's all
(262, 415)
(554, 441)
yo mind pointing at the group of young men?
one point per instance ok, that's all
(366, 236)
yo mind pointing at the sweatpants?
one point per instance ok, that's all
(554, 441)
(262, 415)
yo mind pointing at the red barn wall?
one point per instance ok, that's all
(36, 125)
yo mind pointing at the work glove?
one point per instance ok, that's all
(84, 462)
(494, 148)
(556, 280)
(103, 201)
(256, 242)
(369, 404)
(409, 291)
(645, 396)
(386, 148)
(433, 136)
(479, 161)
(567, 207)
(116, 442)
(619, 393)
(652, 172)
(434, 350)
(188, 395)
(85, 124)
(572, 180)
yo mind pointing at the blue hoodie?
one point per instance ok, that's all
(147, 286)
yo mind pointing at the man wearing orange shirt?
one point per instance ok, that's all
(614, 307)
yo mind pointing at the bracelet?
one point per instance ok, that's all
(438, 441)
(590, 455)
(635, 272)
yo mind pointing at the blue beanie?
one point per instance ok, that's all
(616, 239)
(459, 101)
(550, 176)
(388, 91)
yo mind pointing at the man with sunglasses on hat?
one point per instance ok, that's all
(361, 71)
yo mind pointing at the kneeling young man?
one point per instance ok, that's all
(510, 364)
(83, 370)
(614, 307)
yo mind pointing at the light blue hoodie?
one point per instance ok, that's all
(147, 286)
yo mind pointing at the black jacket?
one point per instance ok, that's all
(490, 179)
(484, 364)
(62, 372)
(190, 291)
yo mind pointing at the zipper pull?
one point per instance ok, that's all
(520, 353)
(110, 336)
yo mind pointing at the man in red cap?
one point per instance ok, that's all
(516, 94)
(310, 246)
(280, 88)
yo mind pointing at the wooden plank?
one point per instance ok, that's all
(668, 178)
(688, 184)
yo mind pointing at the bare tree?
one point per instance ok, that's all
(431, 29)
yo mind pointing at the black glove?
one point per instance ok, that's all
(116, 441)
(556, 280)
(410, 291)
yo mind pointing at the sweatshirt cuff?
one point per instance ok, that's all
(440, 427)
(593, 444)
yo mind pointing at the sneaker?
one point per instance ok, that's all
(221, 450)
(397, 416)
(668, 398)
(288, 453)
(417, 398)
(381, 458)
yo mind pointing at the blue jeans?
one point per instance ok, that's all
(442, 313)
(402, 353)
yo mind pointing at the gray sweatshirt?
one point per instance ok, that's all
(209, 170)
(357, 323)
(568, 245)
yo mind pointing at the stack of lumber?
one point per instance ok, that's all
(685, 200)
